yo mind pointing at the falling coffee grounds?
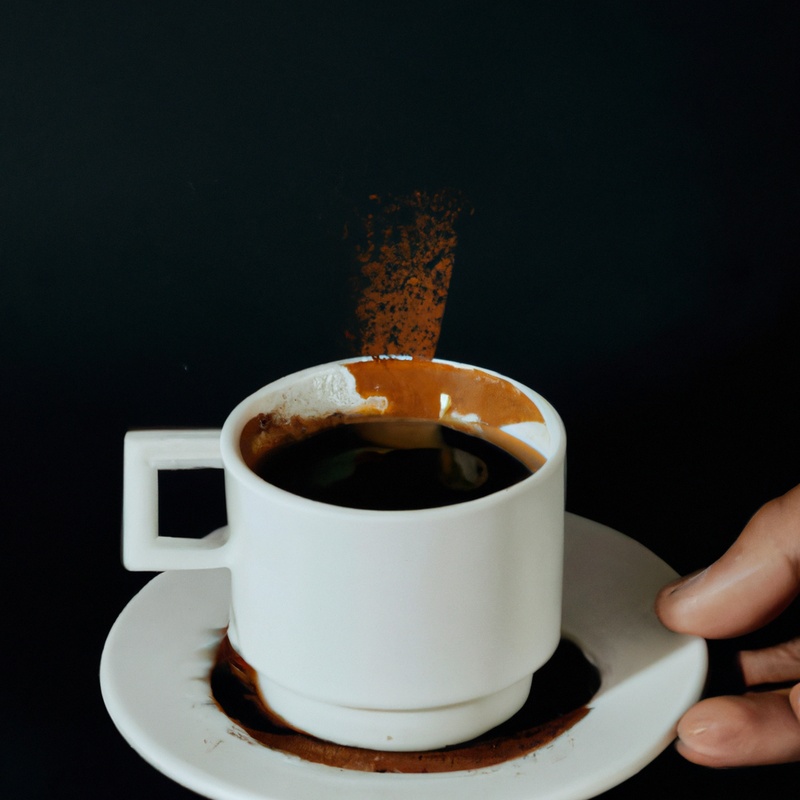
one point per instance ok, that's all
(391, 465)
(558, 700)
(405, 250)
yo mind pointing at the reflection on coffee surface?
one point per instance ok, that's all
(393, 464)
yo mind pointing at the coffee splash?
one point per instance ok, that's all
(405, 262)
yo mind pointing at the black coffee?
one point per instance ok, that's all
(391, 465)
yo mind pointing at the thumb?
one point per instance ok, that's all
(749, 585)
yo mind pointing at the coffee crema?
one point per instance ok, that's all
(558, 700)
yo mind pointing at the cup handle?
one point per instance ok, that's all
(147, 452)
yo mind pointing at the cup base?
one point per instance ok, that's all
(395, 730)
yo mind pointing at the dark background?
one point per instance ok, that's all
(174, 182)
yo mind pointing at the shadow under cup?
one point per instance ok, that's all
(402, 629)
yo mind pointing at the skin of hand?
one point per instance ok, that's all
(751, 584)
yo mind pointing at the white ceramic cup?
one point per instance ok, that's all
(391, 630)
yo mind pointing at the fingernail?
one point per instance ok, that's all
(696, 731)
(691, 733)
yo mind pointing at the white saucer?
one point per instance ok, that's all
(155, 666)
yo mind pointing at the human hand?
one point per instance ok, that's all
(751, 584)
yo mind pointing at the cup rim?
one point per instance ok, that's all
(235, 465)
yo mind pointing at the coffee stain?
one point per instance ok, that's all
(405, 265)
(414, 390)
(475, 401)
(560, 692)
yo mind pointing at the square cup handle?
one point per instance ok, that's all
(147, 452)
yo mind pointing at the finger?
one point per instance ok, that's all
(778, 664)
(749, 585)
(752, 730)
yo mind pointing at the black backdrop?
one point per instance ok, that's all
(174, 180)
